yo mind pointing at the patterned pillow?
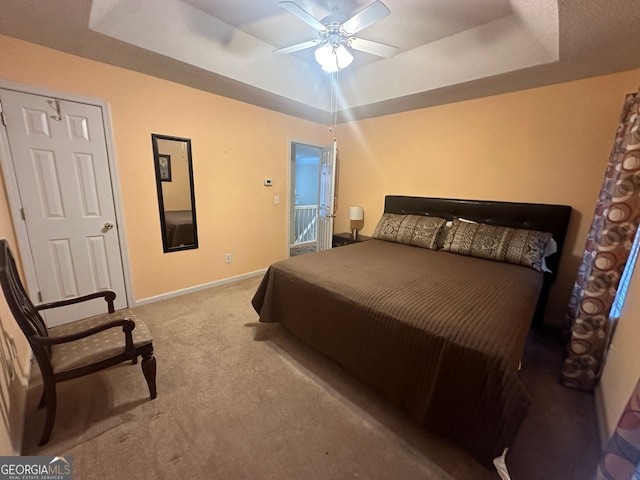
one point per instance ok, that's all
(415, 230)
(502, 244)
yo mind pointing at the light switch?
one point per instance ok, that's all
(276, 199)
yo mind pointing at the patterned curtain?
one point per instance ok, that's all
(606, 252)
(621, 458)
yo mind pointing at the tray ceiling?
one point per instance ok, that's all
(448, 51)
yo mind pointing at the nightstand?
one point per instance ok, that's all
(341, 239)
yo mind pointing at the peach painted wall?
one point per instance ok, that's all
(14, 357)
(234, 145)
(622, 368)
(544, 145)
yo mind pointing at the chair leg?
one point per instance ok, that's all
(43, 399)
(49, 395)
(149, 371)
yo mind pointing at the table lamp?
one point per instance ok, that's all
(356, 214)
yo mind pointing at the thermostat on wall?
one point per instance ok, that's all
(268, 182)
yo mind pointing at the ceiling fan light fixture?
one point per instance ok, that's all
(324, 54)
(332, 59)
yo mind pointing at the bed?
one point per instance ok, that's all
(422, 318)
(179, 227)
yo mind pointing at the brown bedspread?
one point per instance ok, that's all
(179, 225)
(437, 333)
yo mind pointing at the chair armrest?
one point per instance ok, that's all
(109, 297)
(127, 327)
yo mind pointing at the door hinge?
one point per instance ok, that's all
(55, 105)
(40, 297)
(24, 217)
(2, 117)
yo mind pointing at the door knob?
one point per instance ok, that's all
(108, 226)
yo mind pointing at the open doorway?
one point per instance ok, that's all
(303, 215)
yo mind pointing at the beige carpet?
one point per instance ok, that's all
(243, 400)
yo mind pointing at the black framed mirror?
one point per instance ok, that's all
(176, 197)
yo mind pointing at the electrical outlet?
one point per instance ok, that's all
(227, 258)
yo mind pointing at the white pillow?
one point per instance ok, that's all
(552, 247)
(443, 234)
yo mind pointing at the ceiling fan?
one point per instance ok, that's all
(336, 37)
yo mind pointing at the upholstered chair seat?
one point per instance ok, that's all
(98, 347)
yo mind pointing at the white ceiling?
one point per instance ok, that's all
(449, 50)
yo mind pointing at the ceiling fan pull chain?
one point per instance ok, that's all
(334, 102)
(335, 110)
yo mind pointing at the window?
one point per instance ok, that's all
(623, 287)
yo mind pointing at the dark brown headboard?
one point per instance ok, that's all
(533, 216)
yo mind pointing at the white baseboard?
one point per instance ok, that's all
(197, 288)
(15, 386)
(603, 427)
(24, 381)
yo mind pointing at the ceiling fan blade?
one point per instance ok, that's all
(303, 15)
(375, 48)
(367, 16)
(298, 46)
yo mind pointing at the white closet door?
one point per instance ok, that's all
(62, 170)
(326, 211)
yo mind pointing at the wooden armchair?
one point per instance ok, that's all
(78, 348)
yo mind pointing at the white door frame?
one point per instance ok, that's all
(13, 193)
(330, 151)
(291, 183)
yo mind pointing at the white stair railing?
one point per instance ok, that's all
(305, 224)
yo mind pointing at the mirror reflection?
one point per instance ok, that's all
(176, 199)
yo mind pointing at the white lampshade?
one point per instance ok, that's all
(332, 59)
(356, 213)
